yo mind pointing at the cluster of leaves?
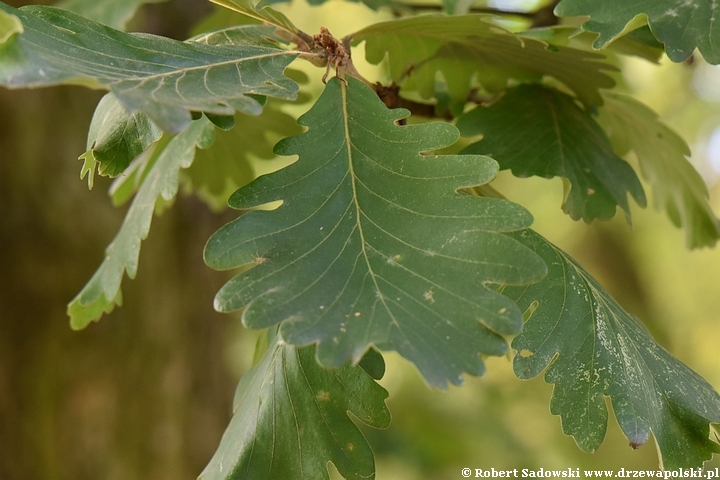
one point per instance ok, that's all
(378, 243)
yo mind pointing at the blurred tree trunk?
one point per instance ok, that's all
(144, 393)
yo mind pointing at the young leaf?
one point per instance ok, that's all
(113, 13)
(539, 131)
(116, 137)
(102, 292)
(373, 245)
(677, 186)
(469, 46)
(291, 418)
(592, 348)
(163, 78)
(680, 25)
(217, 172)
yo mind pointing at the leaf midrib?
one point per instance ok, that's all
(358, 213)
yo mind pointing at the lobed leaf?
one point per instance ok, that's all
(291, 418)
(591, 349)
(113, 13)
(163, 78)
(217, 172)
(640, 43)
(116, 137)
(468, 47)
(677, 186)
(535, 130)
(682, 25)
(374, 245)
(102, 292)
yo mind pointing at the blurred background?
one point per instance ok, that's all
(146, 392)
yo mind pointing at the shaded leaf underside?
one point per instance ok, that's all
(291, 418)
(592, 348)
(373, 245)
(164, 78)
(535, 130)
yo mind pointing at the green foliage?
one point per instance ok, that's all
(116, 137)
(372, 242)
(595, 349)
(275, 403)
(472, 47)
(680, 26)
(102, 292)
(355, 257)
(677, 186)
(559, 139)
(217, 172)
(163, 78)
(113, 13)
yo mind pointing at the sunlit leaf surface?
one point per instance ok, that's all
(677, 186)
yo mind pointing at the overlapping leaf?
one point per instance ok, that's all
(682, 25)
(113, 13)
(640, 43)
(291, 418)
(102, 292)
(539, 131)
(591, 349)
(217, 172)
(116, 137)
(373, 245)
(677, 186)
(163, 78)
(466, 47)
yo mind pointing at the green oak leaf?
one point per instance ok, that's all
(593, 349)
(262, 35)
(682, 25)
(217, 172)
(640, 43)
(468, 47)
(260, 11)
(539, 131)
(102, 292)
(661, 153)
(116, 137)
(165, 79)
(374, 245)
(290, 417)
(113, 13)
